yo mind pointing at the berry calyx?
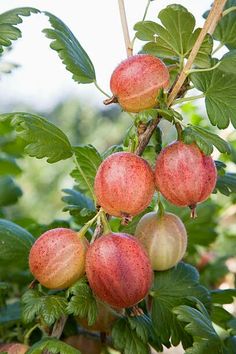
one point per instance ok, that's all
(184, 175)
(137, 81)
(118, 270)
(124, 184)
(164, 238)
(57, 258)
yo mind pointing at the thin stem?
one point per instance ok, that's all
(208, 27)
(187, 99)
(227, 11)
(85, 178)
(203, 70)
(143, 19)
(28, 334)
(125, 29)
(179, 130)
(221, 45)
(161, 208)
(88, 224)
(101, 90)
(106, 225)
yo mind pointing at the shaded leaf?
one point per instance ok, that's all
(10, 192)
(79, 206)
(8, 166)
(70, 51)
(15, 243)
(173, 288)
(225, 296)
(199, 326)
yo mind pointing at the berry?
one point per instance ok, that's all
(118, 270)
(184, 175)
(164, 238)
(136, 82)
(57, 258)
(14, 348)
(124, 184)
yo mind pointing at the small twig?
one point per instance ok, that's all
(57, 330)
(209, 27)
(125, 29)
(146, 135)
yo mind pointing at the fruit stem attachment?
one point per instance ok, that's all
(193, 211)
(88, 224)
(110, 100)
(124, 23)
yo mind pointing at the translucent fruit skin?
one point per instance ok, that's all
(124, 184)
(137, 81)
(164, 238)
(14, 348)
(184, 175)
(57, 258)
(118, 270)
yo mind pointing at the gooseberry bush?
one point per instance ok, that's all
(139, 263)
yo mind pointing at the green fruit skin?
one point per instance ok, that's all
(164, 238)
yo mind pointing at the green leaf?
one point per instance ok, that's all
(70, 51)
(221, 317)
(130, 336)
(173, 288)
(226, 28)
(8, 166)
(111, 150)
(15, 245)
(220, 95)
(223, 296)
(43, 138)
(87, 161)
(8, 21)
(10, 314)
(53, 345)
(176, 37)
(199, 326)
(82, 303)
(226, 184)
(204, 139)
(230, 345)
(79, 206)
(4, 288)
(9, 191)
(48, 307)
(228, 62)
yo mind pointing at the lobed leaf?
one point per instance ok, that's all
(173, 288)
(70, 51)
(48, 307)
(205, 140)
(53, 345)
(219, 88)
(87, 161)
(43, 138)
(199, 326)
(82, 303)
(225, 296)
(8, 21)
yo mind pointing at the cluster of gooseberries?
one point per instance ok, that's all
(119, 266)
